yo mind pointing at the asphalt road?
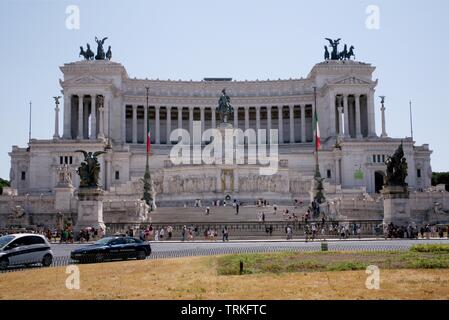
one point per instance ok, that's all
(165, 249)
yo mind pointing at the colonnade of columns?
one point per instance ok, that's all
(299, 125)
(351, 120)
(84, 116)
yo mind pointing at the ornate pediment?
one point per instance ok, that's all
(352, 80)
(87, 79)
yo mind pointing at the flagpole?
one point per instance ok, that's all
(411, 119)
(29, 129)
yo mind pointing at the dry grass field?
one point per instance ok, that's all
(212, 278)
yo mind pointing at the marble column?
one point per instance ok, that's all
(246, 118)
(214, 121)
(346, 112)
(384, 129)
(93, 117)
(179, 117)
(333, 112)
(56, 134)
(67, 134)
(168, 124)
(371, 115)
(101, 118)
(292, 123)
(340, 121)
(158, 125)
(101, 122)
(303, 123)
(281, 125)
(191, 120)
(134, 123)
(80, 117)
(236, 117)
(358, 126)
(337, 171)
(257, 118)
(202, 119)
(145, 124)
(268, 122)
(123, 122)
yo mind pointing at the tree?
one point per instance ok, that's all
(440, 178)
(3, 183)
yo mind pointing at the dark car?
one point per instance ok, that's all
(113, 248)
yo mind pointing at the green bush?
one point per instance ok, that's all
(430, 248)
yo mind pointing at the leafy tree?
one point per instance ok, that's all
(440, 178)
(3, 183)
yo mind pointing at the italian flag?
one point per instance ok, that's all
(148, 141)
(316, 128)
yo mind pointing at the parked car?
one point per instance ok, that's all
(24, 249)
(113, 248)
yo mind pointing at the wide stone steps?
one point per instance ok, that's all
(221, 214)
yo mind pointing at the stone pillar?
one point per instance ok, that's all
(56, 134)
(191, 120)
(123, 122)
(257, 118)
(202, 119)
(337, 171)
(371, 115)
(268, 122)
(90, 209)
(179, 117)
(80, 117)
(67, 116)
(158, 125)
(396, 205)
(333, 111)
(93, 117)
(340, 121)
(134, 123)
(145, 124)
(281, 125)
(292, 124)
(346, 111)
(358, 126)
(303, 123)
(246, 118)
(168, 124)
(214, 121)
(101, 120)
(236, 117)
(384, 130)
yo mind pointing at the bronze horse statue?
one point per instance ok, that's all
(224, 107)
(88, 54)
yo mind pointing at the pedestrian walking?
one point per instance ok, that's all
(183, 233)
(207, 211)
(225, 233)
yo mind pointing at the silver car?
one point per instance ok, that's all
(24, 249)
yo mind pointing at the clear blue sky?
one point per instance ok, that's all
(240, 39)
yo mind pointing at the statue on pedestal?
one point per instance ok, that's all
(396, 169)
(224, 107)
(89, 171)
